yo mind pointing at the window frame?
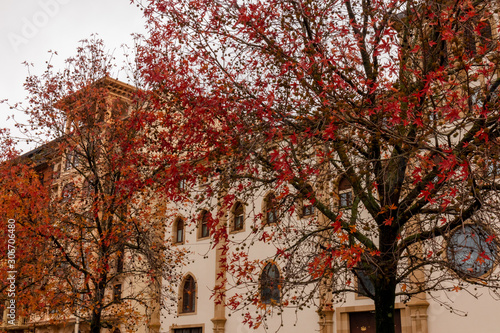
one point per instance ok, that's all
(68, 192)
(454, 258)
(345, 193)
(307, 209)
(117, 293)
(203, 227)
(72, 160)
(270, 209)
(182, 185)
(190, 328)
(175, 238)
(187, 305)
(273, 283)
(238, 216)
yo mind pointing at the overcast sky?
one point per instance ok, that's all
(30, 28)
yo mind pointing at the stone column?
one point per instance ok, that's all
(219, 319)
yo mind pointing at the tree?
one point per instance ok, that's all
(395, 100)
(91, 222)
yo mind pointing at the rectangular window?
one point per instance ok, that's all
(188, 330)
(204, 229)
(346, 199)
(204, 232)
(364, 284)
(238, 222)
(120, 259)
(69, 160)
(182, 185)
(307, 210)
(117, 293)
(72, 160)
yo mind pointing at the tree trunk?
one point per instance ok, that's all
(385, 282)
(95, 320)
(385, 296)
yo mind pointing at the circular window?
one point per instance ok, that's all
(471, 251)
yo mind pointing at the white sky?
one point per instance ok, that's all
(30, 28)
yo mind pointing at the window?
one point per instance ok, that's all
(437, 52)
(469, 40)
(188, 295)
(485, 35)
(188, 330)
(68, 191)
(364, 284)
(307, 207)
(470, 37)
(179, 231)
(238, 216)
(204, 230)
(87, 188)
(117, 293)
(271, 210)
(182, 185)
(476, 97)
(120, 259)
(72, 160)
(471, 251)
(345, 193)
(307, 210)
(270, 285)
(493, 168)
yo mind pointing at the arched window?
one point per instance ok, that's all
(485, 35)
(271, 209)
(469, 39)
(345, 193)
(204, 231)
(307, 207)
(188, 295)
(179, 231)
(270, 285)
(238, 217)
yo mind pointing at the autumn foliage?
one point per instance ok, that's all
(90, 233)
(383, 115)
(362, 135)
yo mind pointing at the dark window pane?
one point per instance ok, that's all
(179, 231)
(204, 225)
(188, 295)
(471, 252)
(188, 330)
(270, 285)
(271, 209)
(365, 285)
(345, 199)
(238, 217)
(307, 210)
